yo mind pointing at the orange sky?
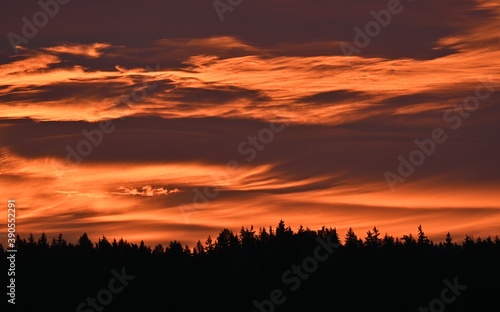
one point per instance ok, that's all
(184, 102)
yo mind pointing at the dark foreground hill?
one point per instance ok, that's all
(265, 270)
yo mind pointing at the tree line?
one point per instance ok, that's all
(249, 238)
(238, 272)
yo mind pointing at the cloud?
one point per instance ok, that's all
(91, 50)
(335, 96)
(147, 190)
(184, 91)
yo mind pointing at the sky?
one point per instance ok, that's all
(171, 120)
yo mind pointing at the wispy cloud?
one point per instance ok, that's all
(218, 85)
(147, 190)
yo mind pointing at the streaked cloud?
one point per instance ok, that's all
(184, 91)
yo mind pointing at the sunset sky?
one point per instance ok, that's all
(162, 120)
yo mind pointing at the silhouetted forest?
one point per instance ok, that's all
(260, 270)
